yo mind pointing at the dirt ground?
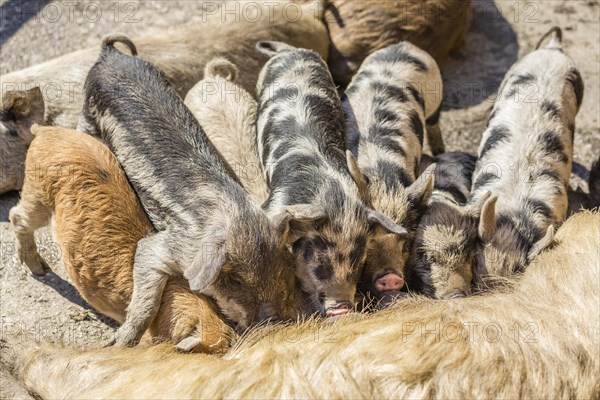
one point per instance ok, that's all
(50, 308)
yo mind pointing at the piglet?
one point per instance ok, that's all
(227, 112)
(525, 159)
(74, 179)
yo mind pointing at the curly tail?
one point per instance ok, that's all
(109, 41)
(222, 67)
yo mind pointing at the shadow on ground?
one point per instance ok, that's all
(15, 13)
(7, 201)
(68, 291)
(477, 69)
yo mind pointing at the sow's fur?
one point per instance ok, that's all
(535, 338)
(180, 52)
(74, 179)
(360, 27)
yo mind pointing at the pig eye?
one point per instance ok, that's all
(7, 116)
(235, 281)
(298, 243)
(319, 224)
(431, 256)
(323, 271)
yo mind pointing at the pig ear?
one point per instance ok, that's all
(359, 178)
(541, 244)
(420, 190)
(270, 48)
(188, 343)
(25, 108)
(305, 212)
(378, 220)
(555, 35)
(296, 220)
(487, 219)
(206, 267)
(221, 67)
(475, 208)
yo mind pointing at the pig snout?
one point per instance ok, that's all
(338, 308)
(458, 294)
(389, 281)
(268, 313)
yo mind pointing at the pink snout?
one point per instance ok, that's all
(337, 312)
(389, 281)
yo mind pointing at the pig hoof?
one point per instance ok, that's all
(437, 148)
(37, 266)
(126, 337)
(389, 281)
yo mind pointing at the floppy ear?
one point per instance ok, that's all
(25, 108)
(541, 244)
(475, 208)
(270, 48)
(378, 220)
(188, 343)
(206, 267)
(420, 190)
(296, 220)
(221, 67)
(487, 219)
(359, 178)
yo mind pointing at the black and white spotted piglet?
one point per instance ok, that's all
(443, 254)
(209, 229)
(386, 106)
(302, 147)
(525, 158)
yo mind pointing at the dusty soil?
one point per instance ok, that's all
(49, 307)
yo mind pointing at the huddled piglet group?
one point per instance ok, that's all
(237, 207)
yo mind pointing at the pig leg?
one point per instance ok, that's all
(434, 133)
(84, 126)
(435, 140)
(25, 218)
(151, 270)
